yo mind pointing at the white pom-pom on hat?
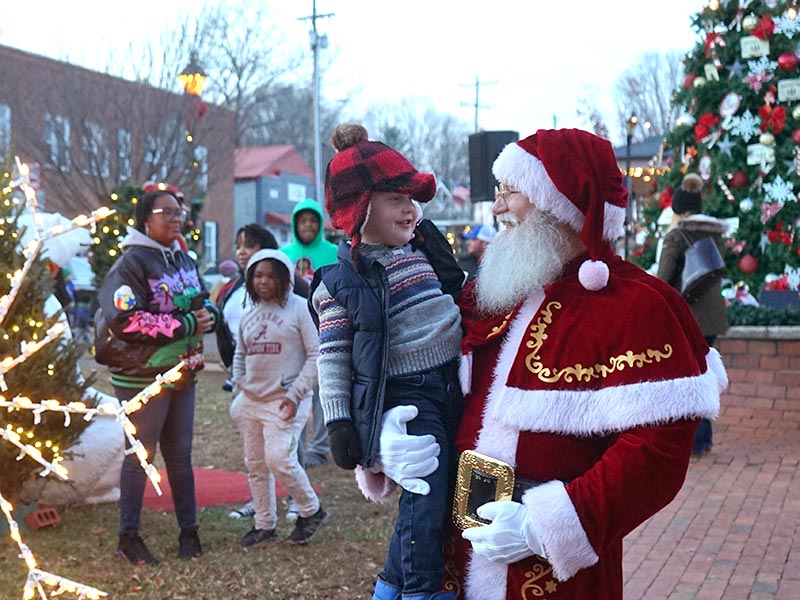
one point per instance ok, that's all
(593, 275)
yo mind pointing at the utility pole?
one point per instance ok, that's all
(317, 42)
(477, 103)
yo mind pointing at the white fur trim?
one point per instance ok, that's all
(485, 580)
(593, 275)
(559, 527)
(610, 409)
(715, 365)
(375, 486)
(465, 373)
(526, 172)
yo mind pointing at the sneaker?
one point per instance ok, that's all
(256, 537)
(227, 386)
(189, 543)
(291, 511)
(307, 527)
(243, 512)
(132, 547)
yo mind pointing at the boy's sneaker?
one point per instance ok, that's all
(291, 511)
(189, 543)
(243, 512)
(256, 537)
(306, 527)
(132, 547)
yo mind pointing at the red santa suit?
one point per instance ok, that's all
(594, 392)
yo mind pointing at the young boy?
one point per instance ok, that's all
(390, 335)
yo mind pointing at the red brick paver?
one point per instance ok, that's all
(733, 532)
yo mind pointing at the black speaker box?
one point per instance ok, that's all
(483, 150)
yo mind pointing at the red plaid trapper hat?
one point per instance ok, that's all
(365, 167)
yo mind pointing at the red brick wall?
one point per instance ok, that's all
(763, 365)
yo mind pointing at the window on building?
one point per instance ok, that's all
(57, 138)
(5, 129)
(95, 151)
(123, 154)
(157, 168)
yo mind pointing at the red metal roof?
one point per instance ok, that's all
(253, 162)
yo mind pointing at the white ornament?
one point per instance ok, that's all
(704, 167)
(779, 191)
(793, 278)
(685, 120)
(786, 26)
(730, 105)
(746, 205)
(699, 82)
(745, 126)
(762, 66)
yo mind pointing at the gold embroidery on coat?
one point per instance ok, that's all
(532, 588)
(500, 328)
(452, 574)
(580, 372)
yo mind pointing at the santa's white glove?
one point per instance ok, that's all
(406, 458)
(509, 537)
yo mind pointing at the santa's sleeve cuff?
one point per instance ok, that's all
(563, 537)
(375, 486)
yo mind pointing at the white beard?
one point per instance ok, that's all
(521, 259)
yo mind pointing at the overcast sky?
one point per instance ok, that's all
(533, 58)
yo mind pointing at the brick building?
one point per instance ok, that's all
(84, 132)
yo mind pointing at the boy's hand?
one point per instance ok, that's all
(345, 447)
(287, 409)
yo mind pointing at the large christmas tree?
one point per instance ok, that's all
(741, 134)
(51, 373)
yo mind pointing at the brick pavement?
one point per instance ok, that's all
(733, 531)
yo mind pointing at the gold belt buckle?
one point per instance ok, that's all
(482, 479)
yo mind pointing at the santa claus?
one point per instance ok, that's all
(585, 380)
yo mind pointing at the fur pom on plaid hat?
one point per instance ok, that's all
(361, 167)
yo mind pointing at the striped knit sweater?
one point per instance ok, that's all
(424, 326)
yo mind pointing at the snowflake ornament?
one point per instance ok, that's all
(786, 26)
(746, 126)
(779, 191)
(793, 278)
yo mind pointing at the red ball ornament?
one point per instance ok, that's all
(688, 81)
(748, 264)
(739, 179)
(796, 136)
(787, 61)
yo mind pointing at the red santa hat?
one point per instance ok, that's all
(573, 175)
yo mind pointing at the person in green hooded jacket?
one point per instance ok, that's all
(309, 250)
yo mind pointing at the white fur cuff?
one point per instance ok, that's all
(376, 487)
(555, 520)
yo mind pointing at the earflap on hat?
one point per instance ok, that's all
(573, 175)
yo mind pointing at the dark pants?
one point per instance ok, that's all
(167, 420)
(703, 433)
(414, 563)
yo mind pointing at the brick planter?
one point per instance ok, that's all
(763, 365)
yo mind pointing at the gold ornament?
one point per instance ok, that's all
(767, 139)
(796, 112)
(699, 82)
(749, 22)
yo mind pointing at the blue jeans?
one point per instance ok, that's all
(167, 420)
(414, 563)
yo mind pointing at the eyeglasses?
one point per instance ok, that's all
(171, 213)
(502, 192)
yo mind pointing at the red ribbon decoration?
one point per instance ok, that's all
(765, 28)
(772, 118)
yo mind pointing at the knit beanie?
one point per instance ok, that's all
(687, 198)
(573, 175)
(361, 167)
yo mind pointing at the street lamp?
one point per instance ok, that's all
(630, 125)
(192, 77)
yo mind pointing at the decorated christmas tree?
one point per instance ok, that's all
(741, 133)
(49, 373)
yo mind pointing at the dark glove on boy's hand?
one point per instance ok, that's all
(345, 448)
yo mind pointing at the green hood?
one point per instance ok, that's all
(319, 252)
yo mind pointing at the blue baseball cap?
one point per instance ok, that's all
(484, 233)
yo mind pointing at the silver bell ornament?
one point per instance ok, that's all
(749, 22)
(766, 139)
(746, 205)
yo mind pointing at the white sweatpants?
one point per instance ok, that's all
(270, 450)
